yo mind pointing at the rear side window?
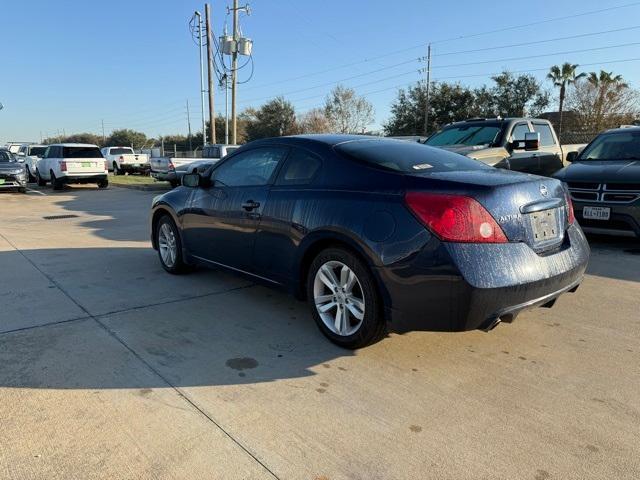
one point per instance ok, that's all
(407, 157)
(81, 152)
(546, 137)
(300, 168)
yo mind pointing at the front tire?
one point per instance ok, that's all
(169, 246)
(344, 299)
(30, 177)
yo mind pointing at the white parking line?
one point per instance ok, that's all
(36, 191)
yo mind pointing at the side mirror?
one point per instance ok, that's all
(572, 156)
(531, 141)
(194, 180)
(191, 180)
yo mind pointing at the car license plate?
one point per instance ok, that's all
(544, 225)
(596, 213)
(1, 181)
(86, 164)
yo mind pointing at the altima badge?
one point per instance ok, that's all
(543, 190)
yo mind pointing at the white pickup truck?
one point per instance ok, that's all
(164, 168)
(124, 160)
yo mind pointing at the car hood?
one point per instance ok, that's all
(601, 171)
(10, 166)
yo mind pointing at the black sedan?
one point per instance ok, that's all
(377, 232)
(604, 181)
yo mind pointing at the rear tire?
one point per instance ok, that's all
(174, 184)
(103, 183)
(55, 183)
(116, 171)
(169, 246)
(41, 181)
(352, 314)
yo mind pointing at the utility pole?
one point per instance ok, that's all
(204, 124)
(212, 118)
(226, 109)
(234, 76)
(189, 127)
(427, 106)
(104, 141)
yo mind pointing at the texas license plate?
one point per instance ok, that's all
(596, 213)
(544, 225)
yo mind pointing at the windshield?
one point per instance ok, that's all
(37, 151)
(6, 157)
(468, 135)
(407, 157)
(120, 151)
(614, 146)
(81, 152)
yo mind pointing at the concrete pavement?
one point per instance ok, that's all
(111, 368)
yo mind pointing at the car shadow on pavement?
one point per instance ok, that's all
(125, 212)
(207, 328)
(614, 257)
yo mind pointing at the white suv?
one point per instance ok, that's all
(64, 163)
(29, 153)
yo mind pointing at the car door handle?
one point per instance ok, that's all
(250, 205)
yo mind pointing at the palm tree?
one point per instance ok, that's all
(563, 76)
(607, 85)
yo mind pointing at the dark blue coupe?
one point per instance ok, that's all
(377, 232)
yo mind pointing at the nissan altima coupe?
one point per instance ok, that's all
(377, 233)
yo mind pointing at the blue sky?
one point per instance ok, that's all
(70, 64)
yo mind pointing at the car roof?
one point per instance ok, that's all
(72, 145)
(118, 146)
(621, 130)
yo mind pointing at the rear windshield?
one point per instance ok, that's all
(469, 135)
(407, 157)
(39, 151)
(120, 151)
(81, 152)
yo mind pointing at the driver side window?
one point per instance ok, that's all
(251, 168)
(518, 131)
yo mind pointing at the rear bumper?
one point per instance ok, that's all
(457, 287)
(74, 178)
(131, 167)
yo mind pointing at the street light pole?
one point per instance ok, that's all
(427, 106)
(234, 68)
(212, 120)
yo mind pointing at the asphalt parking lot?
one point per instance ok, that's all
(111, 368)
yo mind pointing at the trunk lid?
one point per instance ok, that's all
(85, 165)
(528, 208)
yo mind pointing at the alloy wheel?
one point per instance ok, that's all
(339, 298)
(167, 245)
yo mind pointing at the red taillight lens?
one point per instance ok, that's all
(571, 216)
(121, 158)
(63, 166)
(455, 218)
(171, 167)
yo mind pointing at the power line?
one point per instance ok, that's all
(537, 42)
(540, 55)
(473, 35)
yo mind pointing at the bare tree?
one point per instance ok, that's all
(602, 101)
(346, 111)
(314, 121)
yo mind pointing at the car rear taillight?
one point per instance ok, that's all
(455, 218)
(571, 216)
(171, 167)
(121, 158)
(63, 166)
